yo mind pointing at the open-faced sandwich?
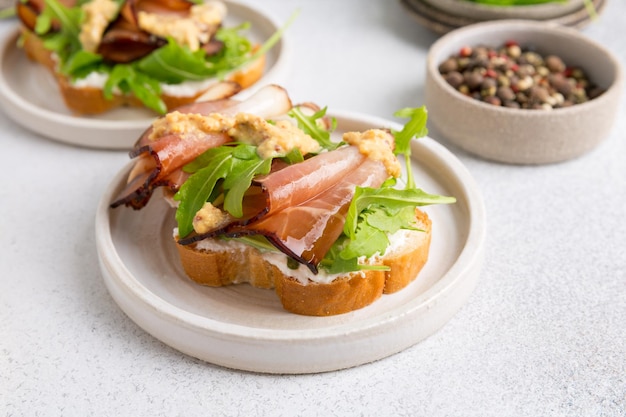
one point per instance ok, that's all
(158, 54)
(263, 194)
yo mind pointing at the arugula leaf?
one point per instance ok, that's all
(391, 198)
(198, 188)
(272, 40)
(378, 223)
(148, 91)
(315, 128)
(174, 63)
(235, 164)
(334, 263)
(8, 12)
(236, 52)
(378, 214)
(43, 24)
(236, 185)
(238, 49)
(57, 42)
(81, 64)
(338, 265)
(367, 241)
(64, 41)
(69, 18)
(127, 79)
(415, 127)
(391, 220)
(293, 156)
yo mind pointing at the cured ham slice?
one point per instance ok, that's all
(124, 41)
(307, 231)
(158, 158)
(268, 102)
(161, 6)
(290, 186)
(215, 99)
(298, 183)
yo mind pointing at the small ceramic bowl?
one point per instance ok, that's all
(524, 136)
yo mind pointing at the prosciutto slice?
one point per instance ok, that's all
(290, 186)
(298, 183)
(307, 231)
(159, 159)
(268, 102)
(124, 41)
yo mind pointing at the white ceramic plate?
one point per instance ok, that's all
(29, 94)
(246, 328)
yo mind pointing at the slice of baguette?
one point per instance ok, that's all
(225, 263)
(91, 100)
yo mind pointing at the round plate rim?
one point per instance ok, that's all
(465, 267)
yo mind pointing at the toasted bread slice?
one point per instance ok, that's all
(91, 100)
(223, 263)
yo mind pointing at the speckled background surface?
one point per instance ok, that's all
(544, 333)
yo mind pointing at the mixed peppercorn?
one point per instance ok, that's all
(516, 77)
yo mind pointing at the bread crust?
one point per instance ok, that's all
(356, 290)
(91, 100)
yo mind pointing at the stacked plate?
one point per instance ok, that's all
(442, 16)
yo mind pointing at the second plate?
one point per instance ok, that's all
(246, 328)
(30, 96)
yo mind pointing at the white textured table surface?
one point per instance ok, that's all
(544, 334)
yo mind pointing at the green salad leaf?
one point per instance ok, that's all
(199, 187)
(245, 166)
(63, 42)
(127, 79)
(82, 63)
(69, 18)
(313, 126)
(388, 198)
(7, 12)
(227, 175)
(174, 63)
(334, 263)
(414, 128)
(376, 213)
(236, 52)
